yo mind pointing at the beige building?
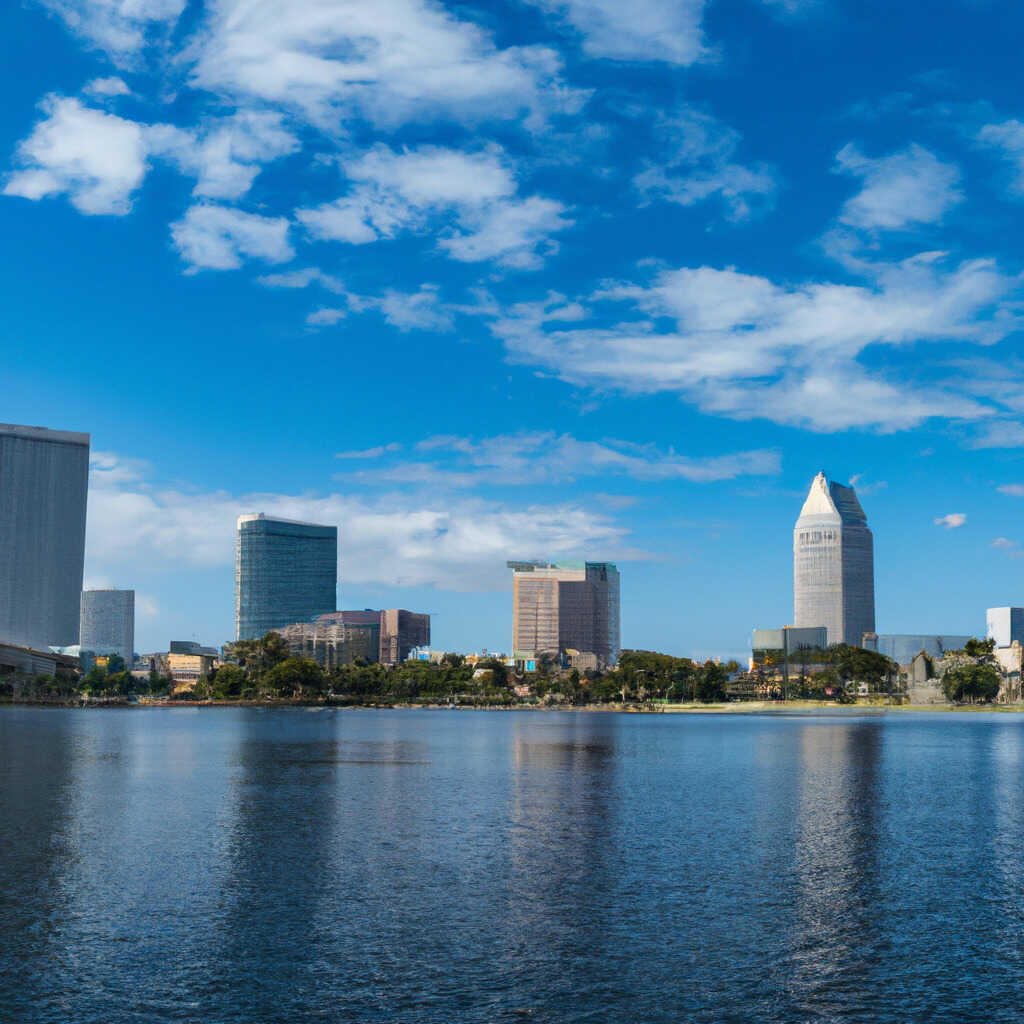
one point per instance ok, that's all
(562, 606)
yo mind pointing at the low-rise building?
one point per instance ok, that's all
(904, 647)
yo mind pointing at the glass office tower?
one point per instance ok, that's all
(285, 572)
(108, 623)
(44, 484)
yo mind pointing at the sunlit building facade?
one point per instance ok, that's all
(285, 572)
(834, 564)
(44, 485)
(566, 606)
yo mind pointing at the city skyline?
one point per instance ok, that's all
(613, 288)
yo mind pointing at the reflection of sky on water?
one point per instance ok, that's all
(452, 866)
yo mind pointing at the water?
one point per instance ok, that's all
(222, 865)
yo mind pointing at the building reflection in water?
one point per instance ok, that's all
(38, 750)
(838, 860)
(563, 860)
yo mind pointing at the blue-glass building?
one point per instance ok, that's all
(285, 572)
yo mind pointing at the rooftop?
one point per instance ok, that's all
(43, 434)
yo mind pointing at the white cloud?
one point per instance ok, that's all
(642, 30)
(302, 279)
(326, 317)
(370, 453)
(225, 155)
(746, 347)
(700, 165)
(1011, 547)
(218, 237)
(909, 187)
(120, 27)
(513, 234)
(951, 521)
(97, 159)
(1008, 137)
(1000, 434)
(395, 192)
(1014, 490)
(421, 310)
(107, 87)
(452, 543)
(547, 457)
(390, 62)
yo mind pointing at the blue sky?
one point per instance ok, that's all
(542, 278)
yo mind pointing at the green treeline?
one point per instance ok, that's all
(264, 670)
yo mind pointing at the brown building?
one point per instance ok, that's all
(558, 607)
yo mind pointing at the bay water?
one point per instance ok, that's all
(289, 865)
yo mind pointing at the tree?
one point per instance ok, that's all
(294, 676)
(229, 681)
(977, 682)
(115, 664)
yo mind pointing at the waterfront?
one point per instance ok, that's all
(312, 864)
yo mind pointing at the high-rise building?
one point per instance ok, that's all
(566, 606)
(1005, 625)
(44, 484)
(285, 572)
(108, 623)
(834, 564)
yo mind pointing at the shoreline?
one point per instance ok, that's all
(795, 707)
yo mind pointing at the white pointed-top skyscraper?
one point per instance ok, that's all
(834, 564)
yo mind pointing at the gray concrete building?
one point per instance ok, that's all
(834, 564)
(108, 623)
(285, 572)
(44, 485)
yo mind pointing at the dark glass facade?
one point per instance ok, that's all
(285, 572)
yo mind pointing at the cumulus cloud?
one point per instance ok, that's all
(1008, 138)
(120, 27)
(452, 543)
(226, 154)
(746, 347)
(394, 192)
(547, 457)
(388, 62)
(906, 188)
(105, 87)
(96, 159)
(951, 521)
(217, 237)
(700, 165)
(643, 30)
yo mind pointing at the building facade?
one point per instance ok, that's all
(904, 647)
(562, 606)
(834, 564)
(1005, 625)
(333, 643)
(788, 645)
(285, 572)
(108, 623)
(44, 484)
(399, 631)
